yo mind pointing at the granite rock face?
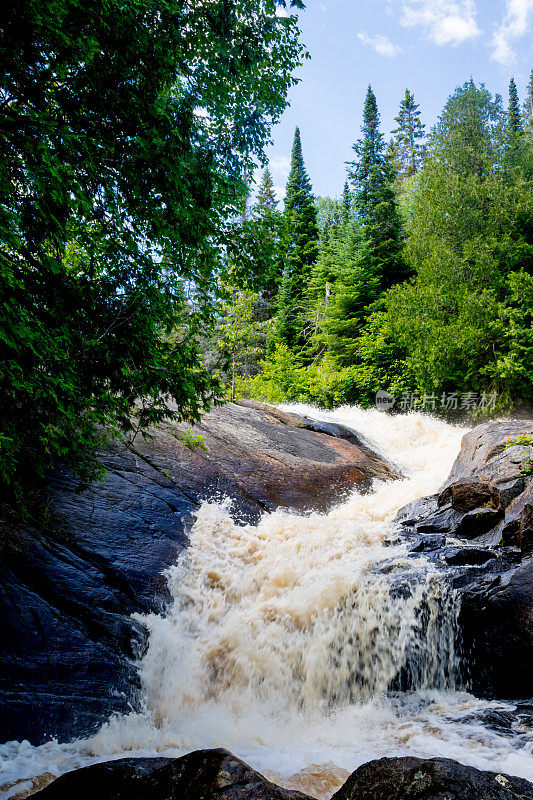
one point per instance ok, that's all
(66, 595)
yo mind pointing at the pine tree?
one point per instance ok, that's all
(373, 178)
(300, 250)
(409, 135)
(515, 122)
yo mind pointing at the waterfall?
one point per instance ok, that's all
(308, 644)
(308, 612)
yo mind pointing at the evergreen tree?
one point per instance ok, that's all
(266, 197)
(409, 135)
(515, 122)
(373, 179)
(300, 250)
(528, 104)
(372, 260)
(346, 202)
(394, 156)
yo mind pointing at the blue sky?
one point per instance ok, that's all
(428, 46)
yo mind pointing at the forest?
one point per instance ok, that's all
(144, 277)
(417, 280)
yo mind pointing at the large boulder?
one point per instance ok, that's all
(431, 779)
(480, 526)
(67, 593)
(202, 775)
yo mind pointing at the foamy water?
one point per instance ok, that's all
(285, 638)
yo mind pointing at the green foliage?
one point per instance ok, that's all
(527, 461)
(123, 150)
(514, 116)
(300, 250)
(464, 321)
(285, 378)
(410, 134)
(373, 178)
(240, 334)
(191, 440)
(527, 112)
(366, 259)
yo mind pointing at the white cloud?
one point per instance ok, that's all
(381, 44)
(280, 192)
(515, 23)
(280, 167)
(445, 21)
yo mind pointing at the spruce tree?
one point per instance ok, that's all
(410, 134)
(527, 114)
(266, 197)
(373, 178)
(515, 122)
(346, 202)
(300, 250)
(266, 221)
(372, 259)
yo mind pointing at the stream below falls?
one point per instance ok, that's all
(285, 638)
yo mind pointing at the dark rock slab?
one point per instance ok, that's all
(202, 775)
(477, 522)
(68, 643)
(416, 510)
(467, 556)
(497, 622)
(431, 779)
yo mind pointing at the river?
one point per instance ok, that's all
(307, 644)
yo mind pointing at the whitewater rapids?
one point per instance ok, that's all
(284, 640)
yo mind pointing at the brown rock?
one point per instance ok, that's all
(468, 495)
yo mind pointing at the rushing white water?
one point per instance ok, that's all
(285, 638)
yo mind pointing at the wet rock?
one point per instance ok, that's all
(445, 520)
(429, 544)
(488, 501)
(202, 775)
(432, 779)
(496, 619)
(477, 522)
(410, 514)
(469, 495)
(467, 556)
(66, 595)
(484, 456)
(517, 527)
